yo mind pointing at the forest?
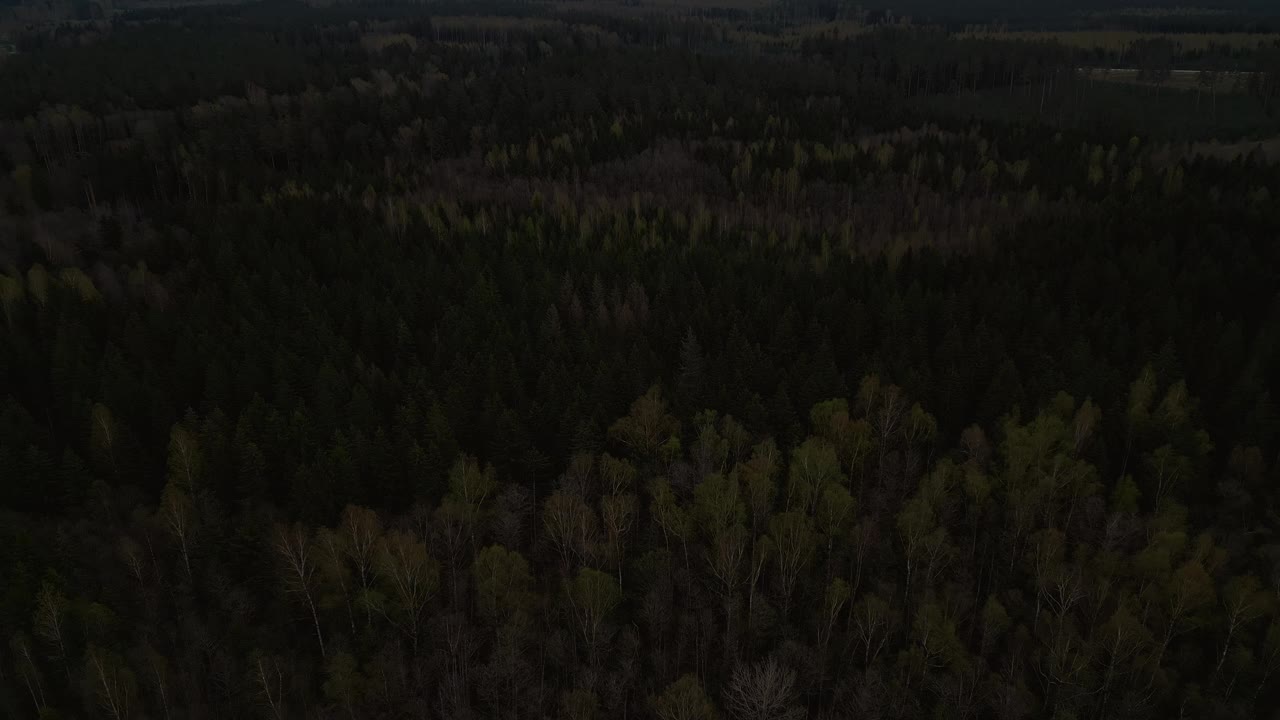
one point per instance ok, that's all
(586, 360)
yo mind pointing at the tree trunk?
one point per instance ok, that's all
(315, 618)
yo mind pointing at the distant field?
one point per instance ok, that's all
(1157, 12)
(1269, 147)
(1118, 40)
(835, 28)
(647, 7)
(1109, 108)
(706, 4)
(1222, 82)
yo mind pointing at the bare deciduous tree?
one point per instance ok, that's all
(179, 519)
(571, 528)
(763, 691)
(270, 680)
(412, 576)
(27, 668)
(111, 682)
(360, 531)
(293, 545)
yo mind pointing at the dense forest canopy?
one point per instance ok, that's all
(584, 360)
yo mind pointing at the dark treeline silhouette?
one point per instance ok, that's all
(618, 364)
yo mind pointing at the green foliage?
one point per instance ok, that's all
(814, 465)
(717, 504)
(503, 583)
(684, 699)
(648, 429)
(579, 705)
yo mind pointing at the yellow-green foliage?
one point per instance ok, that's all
(11, 293)
(75, 279)
(38, 283)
